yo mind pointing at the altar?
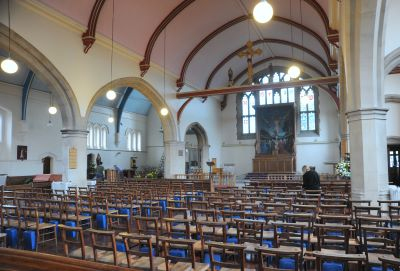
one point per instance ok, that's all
(275, 137)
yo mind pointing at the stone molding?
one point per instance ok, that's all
(392, 98)
(367, 114)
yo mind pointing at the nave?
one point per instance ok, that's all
(182, 225)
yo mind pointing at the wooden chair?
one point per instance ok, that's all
(103, 249)
(186, 262)
(72, 211)
(378, 242)
(232, 256)
(277, 253)
(67, 235)
(178, 228)
(322, 257)
(250, 233)
(119, 223)
(149, 226)
(204, 215)
(134, 244)
(210, 231)
(387, 262)
(44, 232)
(289, 238)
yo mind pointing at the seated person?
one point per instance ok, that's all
(310, 179)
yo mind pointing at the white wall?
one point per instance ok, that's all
(310, 150)
(117, 152)
(392, 94)
(41, 139)
(208, 115)
(155, 142)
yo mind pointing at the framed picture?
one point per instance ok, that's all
(22, 152)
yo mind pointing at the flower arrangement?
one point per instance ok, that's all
(343, 169)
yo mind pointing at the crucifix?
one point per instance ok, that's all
(249, 53)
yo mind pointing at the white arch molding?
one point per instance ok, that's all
(24, 52)
(168, 122)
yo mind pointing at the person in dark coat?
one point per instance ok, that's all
(311, 179)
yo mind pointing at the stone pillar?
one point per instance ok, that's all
(74, 139)
(344, 131)
(174, 158)
(368, 153)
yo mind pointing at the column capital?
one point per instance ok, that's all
(373, 113)
(74, 133)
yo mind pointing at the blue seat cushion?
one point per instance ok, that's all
(379, 268)
(217, 257)
(12, 237)
(29, 238)
(177, 252)
(332, 266)
(145, 249)
(101, 221)
(71, 234)
(286, 263)
(121, 246)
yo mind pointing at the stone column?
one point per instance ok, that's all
(368, 153)
(344, 131)
(361, 39)
(74, 139)
(174, 158)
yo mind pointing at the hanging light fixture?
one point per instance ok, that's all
(52, 108)
(164, 110)
(263, 11)
(8, 65)
(110, 119)
(111, 94)
(293, 71)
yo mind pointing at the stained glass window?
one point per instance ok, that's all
(305, 97)
(307, 109)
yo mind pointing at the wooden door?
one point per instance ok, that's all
(394, 164)
(46, 165)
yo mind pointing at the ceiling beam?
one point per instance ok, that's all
(25, 93)
(145, 63)
(121, 106)
(89, 36)
(241, 89)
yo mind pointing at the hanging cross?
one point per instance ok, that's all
(249, 53)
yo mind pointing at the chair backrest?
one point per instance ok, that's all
(183, 244)
(204, 215)
(97, 238)
(177, 212)
(237, 251)
(29, 217)
(322, 256)
(133, 244)
(264, 256)
(10, 216)
(333, 236)
(80, 240)
(177, 228)
(289, 234)
(119, 223)
(380, 240)
(250, 230)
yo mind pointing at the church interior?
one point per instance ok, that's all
(182, 134)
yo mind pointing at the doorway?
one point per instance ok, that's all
(196, 149)
(46, 165)
(394, 164)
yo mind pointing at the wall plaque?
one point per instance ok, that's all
(73, 158)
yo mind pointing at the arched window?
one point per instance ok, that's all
(134, 141)
(306, 99)
(307, 109)
(139, 141)
(248, 113)
(129, 139)
(96, 136)
(104, 132)
(89, 141)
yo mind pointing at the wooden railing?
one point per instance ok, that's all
(224, 179)
(14, 259)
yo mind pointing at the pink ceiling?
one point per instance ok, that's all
(135, 22)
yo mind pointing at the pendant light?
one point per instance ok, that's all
(110, 119)
(52, 108)
(111, 94)
(164, 110)
(263, 12)
(293, 71)
(8, 65)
